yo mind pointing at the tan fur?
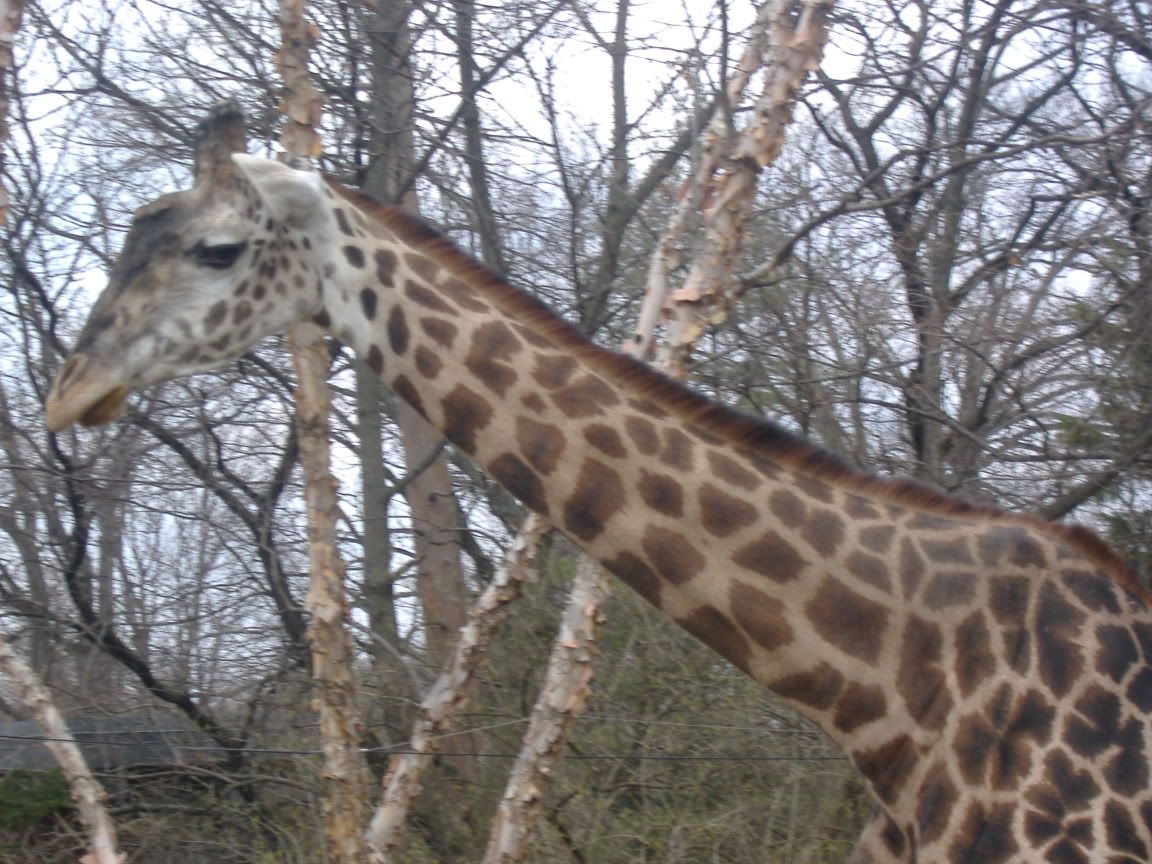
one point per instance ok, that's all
(758, 435)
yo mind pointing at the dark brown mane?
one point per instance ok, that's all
(754, 434)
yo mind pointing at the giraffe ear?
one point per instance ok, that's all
(294, 196)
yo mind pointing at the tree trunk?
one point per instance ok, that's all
(435, 516)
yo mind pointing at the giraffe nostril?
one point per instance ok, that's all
(68, 371)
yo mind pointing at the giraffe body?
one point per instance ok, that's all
(987, 673)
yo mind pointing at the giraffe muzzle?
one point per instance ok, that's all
(86, 392)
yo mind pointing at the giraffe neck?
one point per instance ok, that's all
(860, 602)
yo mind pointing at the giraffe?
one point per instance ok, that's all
(986, 672)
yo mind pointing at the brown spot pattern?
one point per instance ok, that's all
(514, 475)
(1122, 833)
(398, 334)
(856, 507)
(1009, 601)
(427, 298)
(771, 556)
(788, 508)
(493, 344)
(355, 256)
(675, 559)
(877, 538)
(647, 406)
(823, 529)
(375, 360)
(818, 687)
(215, 316)
(466, 412)
(599, 495)
(723, 514)
(813, 488)
(921, 680)
(541, 443)
(428, 363)
(553, 370)
(985, 835)
(638, 575)
(1011, 544)
(661, 492)
(463, 295)
(606, 439)
(534, 337)
(1058, 641)
(587, 396)
(678, 450)
(422, 266)
(888, 766)
(368, 303)
(859, 705)
(386, 267)
(642, 433)
(439, 331)
(762, 617)
(730, 471)
(949, 588)
(974, 658)
(911, 568)
(716, 631)
(869, 569)
(953, 550)
(848, 620)
(938, 797)
(407, 391)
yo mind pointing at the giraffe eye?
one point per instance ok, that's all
(218, 256)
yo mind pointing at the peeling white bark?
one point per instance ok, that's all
(449, 694)
(87, 792)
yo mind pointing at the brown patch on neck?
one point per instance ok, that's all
(755, 436)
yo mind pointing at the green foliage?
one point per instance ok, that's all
(28, 797)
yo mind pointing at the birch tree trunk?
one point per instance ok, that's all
(725, 182)
(333, 650)
(87, 792)
(449, 693)
(567, 685)
(435, 517)
(11, 14)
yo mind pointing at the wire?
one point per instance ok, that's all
(397, 751)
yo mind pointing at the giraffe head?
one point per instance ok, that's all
(204, 275)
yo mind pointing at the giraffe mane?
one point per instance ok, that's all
(757, 436)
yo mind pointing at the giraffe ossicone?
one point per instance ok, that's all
(988, 673)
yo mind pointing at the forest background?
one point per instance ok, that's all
(949, 276)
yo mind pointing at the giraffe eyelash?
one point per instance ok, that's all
(218, 256)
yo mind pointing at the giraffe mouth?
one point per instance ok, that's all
(84, 392)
